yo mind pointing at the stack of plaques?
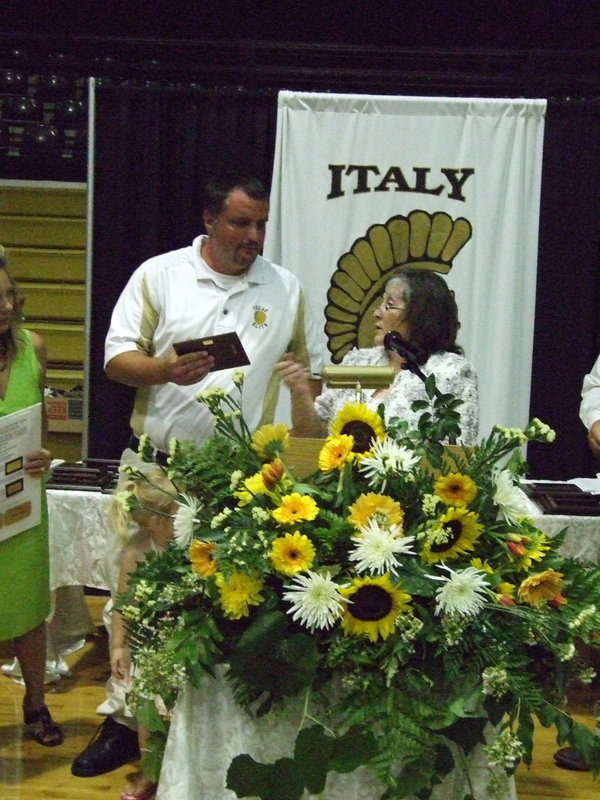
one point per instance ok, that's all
(90, 475)
(563, 498)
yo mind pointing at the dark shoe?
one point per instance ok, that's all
(568, 758)
(42, 728)
(110, 747)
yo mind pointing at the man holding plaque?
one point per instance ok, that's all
(185, 321)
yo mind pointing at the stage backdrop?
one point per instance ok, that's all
(365, 184)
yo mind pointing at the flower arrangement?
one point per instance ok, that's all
(403, 573)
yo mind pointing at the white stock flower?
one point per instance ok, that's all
(510, 499)
(316, 601)
(183, 524)
(377, 549)
(463, 592)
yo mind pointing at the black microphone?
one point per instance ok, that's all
(412, 355)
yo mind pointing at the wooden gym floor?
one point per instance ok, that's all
(31, 772)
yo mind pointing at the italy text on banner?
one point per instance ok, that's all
(363, 185)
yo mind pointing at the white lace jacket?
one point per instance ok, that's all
(453, 374)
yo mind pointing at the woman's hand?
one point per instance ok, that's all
(37, 462)
(294, 375)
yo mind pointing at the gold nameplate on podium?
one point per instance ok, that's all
(350, 377)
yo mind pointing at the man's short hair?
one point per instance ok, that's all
(217, 189)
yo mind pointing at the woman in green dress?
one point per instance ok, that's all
(24, 569)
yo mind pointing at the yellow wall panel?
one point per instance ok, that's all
(56, 301)
(65, 341)
(61, 232)
(43, 201)
(41, 264)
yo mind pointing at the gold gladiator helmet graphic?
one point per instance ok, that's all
(420, 240)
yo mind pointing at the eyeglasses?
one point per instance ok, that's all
(387, 306)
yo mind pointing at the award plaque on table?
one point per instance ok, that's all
(226, 349)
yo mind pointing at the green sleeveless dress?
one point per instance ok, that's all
(24, 566)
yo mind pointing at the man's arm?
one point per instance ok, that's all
(589, 410)
(134, 368)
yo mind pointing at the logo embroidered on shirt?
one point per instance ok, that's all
(260, 317)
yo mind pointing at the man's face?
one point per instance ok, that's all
(236, 234)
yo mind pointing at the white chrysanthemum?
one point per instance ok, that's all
(463, 593)
(316, 601)
(377, 549)
(183, 524)
(511, 500)
(386, 458)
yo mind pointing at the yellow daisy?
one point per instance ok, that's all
(201, 557)
(250, 487)
(356, 420)
(373, 607)
(238, 593)
(295, 508)
(455, 489)
(270, 440)
(336, 451)
(542, 587)
(292, 553)
(379, 508)
(455, 535)
(484, 566)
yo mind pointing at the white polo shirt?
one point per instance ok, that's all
(175, 296)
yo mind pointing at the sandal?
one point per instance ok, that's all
(144, 794)
(41, 727)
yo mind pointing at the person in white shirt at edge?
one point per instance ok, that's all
(589, 413)
(219, 284)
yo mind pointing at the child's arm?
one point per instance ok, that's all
(120, 655)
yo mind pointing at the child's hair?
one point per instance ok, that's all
(156, 495)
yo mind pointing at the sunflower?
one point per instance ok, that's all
(455, 489)
(238, 593)
(356, 420)
(201, 557)
(336, 451)
(270, 440)
(373, 605)
(374, 507)
(455, 535)
(295, 508)
(292, 553)
(541, 587)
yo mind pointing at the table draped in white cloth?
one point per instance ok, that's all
(209, 729)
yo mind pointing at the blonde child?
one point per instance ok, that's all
(147, 528)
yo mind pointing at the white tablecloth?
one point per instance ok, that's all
(209, 729)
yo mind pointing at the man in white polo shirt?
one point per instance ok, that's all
(219, 284)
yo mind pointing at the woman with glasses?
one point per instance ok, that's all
(418, 306)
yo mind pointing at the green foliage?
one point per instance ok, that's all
(461, 627)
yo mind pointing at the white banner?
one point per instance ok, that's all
(364, 184)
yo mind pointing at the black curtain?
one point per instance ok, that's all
(154, 148)
(567, 319)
